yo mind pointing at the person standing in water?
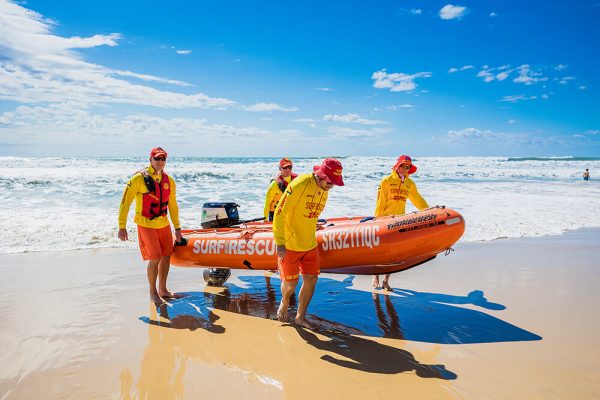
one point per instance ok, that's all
(393, 191)
(586, 175)
(154, 194)
(294, 229)
(277, 187)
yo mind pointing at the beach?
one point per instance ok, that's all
(514, 318)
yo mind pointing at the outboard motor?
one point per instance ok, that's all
(219, 215)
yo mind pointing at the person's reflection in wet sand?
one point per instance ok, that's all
(369, 356)
(391, 328)
(161, 375)
(186, 320)
(474, 297)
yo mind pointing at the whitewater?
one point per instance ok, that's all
(53, 204)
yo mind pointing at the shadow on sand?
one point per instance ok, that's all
(341, 311)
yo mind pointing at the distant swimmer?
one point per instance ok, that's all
(154, 194)
(586, 175)
(278, 186)
(393, 191)
(294, 229)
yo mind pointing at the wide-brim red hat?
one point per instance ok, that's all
(404, 159)
(331, 171)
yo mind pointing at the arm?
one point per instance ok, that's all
(416, 198)
(381, 199)
(128, 195)
(174, 209)
(269, 198)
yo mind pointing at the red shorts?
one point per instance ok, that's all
(155, 243)
(304, 262)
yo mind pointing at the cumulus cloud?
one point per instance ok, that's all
(395, 107)
(398, 81)
(528, 76)
(69, 123)
(183, 52)
(352, 118)
(450, 11)
(324, 89)
(38, 66)
(268, 107)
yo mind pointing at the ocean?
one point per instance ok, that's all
(53, 204)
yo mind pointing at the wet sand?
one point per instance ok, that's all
(509, 319)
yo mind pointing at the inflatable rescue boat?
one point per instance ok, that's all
(352, 245)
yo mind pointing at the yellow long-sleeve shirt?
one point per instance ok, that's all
(392, 195)
(273, 196)
(134, 190)
(296, 215)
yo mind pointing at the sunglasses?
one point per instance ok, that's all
(160, 158)
(405, 166)
(288, 167)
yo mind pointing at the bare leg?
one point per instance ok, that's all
(386, 284)
(163, 272)
(375, 281)
(152, 272)
(306, 293)
(287, 289)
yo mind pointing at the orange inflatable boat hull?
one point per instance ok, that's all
(355, 245)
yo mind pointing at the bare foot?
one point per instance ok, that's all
(169, 295)
(387, 286)
(282, 312)
(303, 322)
(156, 300)
(375, 281)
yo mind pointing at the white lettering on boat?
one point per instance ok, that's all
(236, 246)
(364, 236)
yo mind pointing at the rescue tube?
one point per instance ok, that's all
(353, 245)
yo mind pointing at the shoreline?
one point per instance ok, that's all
(475, 324)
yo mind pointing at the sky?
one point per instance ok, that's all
(311, 78)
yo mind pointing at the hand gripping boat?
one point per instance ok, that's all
(353, 245)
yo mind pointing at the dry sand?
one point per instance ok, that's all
(509, 319)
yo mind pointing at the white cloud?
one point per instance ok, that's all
(352, 118)
(304, 120)
(511, 121)
(38, 66)
(565, 80)
(351, 133)
(69, 123)
(397, 82)
(527, 76)
(183, 52)
(416, 11)
(582, 87)
(394, 107)
(324, 89)
(463, 68)
(450, 11)
(493, 14)
(560, 67)
(452, 70)
(268, 107)
(485, 136)
(517, 98)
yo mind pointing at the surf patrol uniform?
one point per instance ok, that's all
(392, 195)
(295, 226)
(274, 193)
(154, 230)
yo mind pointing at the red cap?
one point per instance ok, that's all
(405, 160)
(158, 152)
(330, 170)
(284, 162)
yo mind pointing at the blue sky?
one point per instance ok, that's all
(239, 78)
